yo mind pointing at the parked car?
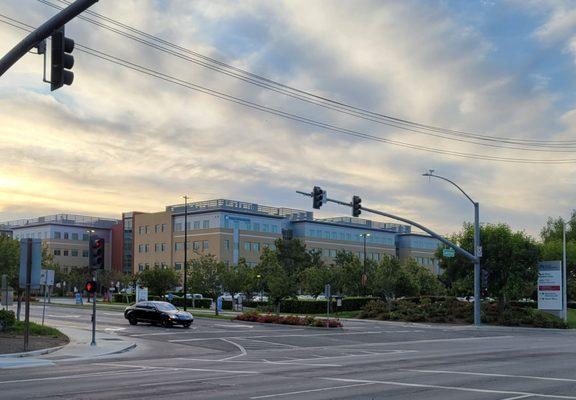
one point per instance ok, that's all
(194, 296)
(227, 297)
(240, 296)
(260, 298)
(157, 312)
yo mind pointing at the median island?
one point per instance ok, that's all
(12, 335)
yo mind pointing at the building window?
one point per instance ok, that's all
(163, 247)
(146, 266)
(65, 253)
(141, 230)
(156, 247)
(56, 252)
(85, 237)
(264, 227)
(65, 235)
(332, 252)
(274, 228)
(178, 246)
(163, 227)
(196, 224)
(57, 235)
(205, 245)
(140, 267)
(256, 246)
(157, 228)
(256, 226)
(147, 229)
(206, 224)
(227, 244)
(74, 253)
(74, 236)
(177, 227)
(247, 246)
(146, 248)
(178, 266)
(84, 253)
(196, 245)
(140, 248)
(341, 235)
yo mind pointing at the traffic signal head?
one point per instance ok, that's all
(484, 278)
(62, 60)
(318, 197)
(356, 206)
(96, 253)
(90, 287)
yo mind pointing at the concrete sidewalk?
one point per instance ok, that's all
(78, 349)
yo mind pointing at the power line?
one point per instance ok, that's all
(258, 80)
(290, 116)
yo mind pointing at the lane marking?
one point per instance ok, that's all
(272, 343)
(186, 381)
(542, 378)
(146, 367)
(63, 377)
(517, 397)
(311, 390)
(264, 361)
(234, 326)
(455, 388)
(243, 351)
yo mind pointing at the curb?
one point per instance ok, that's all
(32, 353)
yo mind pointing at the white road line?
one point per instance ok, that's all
(542, 378)
(517, 397)
(186, 381)
(263, 361)
(146, 367)
(243, 351)
(309, 391)
(63, 377)
(455, 388)
(394, 352)
(272, 343)
(234, 326)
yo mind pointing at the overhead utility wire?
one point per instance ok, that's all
(294, 117)
(266, 83)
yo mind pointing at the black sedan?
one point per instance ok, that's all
(157, 312)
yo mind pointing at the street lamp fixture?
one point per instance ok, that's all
(477, 246)
(364, 235)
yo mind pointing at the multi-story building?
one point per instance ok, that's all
(5, 230)
(66, 236)
(421, 248)
(231, 230)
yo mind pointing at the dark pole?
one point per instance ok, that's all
(27, 299)
(364, 267)
(93, 342)
(185, 248)
(42, 32)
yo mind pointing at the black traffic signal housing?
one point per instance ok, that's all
(96, 253)
(484, 278)
(90, 286)
(356, 206)
(318, 197)
(61, 60)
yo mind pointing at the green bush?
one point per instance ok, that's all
(7, 319)
(227, 304)
(121, 298)
(451, 310)
(254, 316)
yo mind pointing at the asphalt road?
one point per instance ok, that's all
(217, 359)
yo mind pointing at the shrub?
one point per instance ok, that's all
(7, 319)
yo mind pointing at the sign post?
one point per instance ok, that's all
(46, 279)
(327, 295)
(30, 262)
(550, 296)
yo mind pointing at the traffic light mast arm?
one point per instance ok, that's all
(42, 33)
(405, 220)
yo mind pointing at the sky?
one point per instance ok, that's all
(118, 140)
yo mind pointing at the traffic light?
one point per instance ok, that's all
(96, 253)
(356, 206)
(90, 286)
(318, 197)
(62, 60)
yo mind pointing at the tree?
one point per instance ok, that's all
(428, 284)
(277, 282)
(552, 231)
(10, 259)
(511, 259)
(390, 280)
(313, 278)
(159, 280)
(292, 256)
(205, 276)
(239, 278)
(347, 274)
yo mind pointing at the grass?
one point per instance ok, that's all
(571, 318)
(35, 330)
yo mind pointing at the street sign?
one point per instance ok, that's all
(141, 294)
(448, 253)
(479, 251)
(550, 285)
(36, 262)
(327, 291)
(47, 277)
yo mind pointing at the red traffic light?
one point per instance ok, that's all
(90, 287)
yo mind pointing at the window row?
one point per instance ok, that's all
(71, 253)
(144, 266)
(333, 252)
(179, 226)
(425, 261)
(252, 226)
(55, 235)
(158, 228)
(196, 245)
(348, 236)
(158, 248)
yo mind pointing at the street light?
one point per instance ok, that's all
(477, 247)
(565, 277)
(364, 235)
(93, 342)
(185, 248)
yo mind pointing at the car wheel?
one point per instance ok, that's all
(132, 320)
(166, 323)
(187, 325)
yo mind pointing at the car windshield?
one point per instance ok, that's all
(165, 306)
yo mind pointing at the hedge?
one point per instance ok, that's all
(7, 319)
(254, 316)
(295, 306)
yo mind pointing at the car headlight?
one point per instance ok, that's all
(174, 316)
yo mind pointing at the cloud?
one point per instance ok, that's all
(118, 140)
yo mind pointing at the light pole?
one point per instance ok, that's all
(364, 235)
(477, 246)
(565, 277)
(185, 248)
